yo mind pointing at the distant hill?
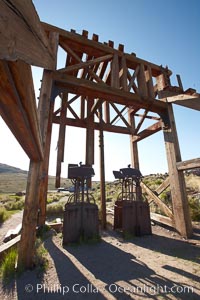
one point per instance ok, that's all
(14, 180)
(9, 169)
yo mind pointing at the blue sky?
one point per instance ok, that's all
(164, 32)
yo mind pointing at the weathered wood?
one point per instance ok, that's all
(147, 132)
(114, 120)
(45, 96)
(163, 186)
(93, 90)
(115, 71)
(89, 158)
(61, 139)
(133, 146)
(98, 49)
(86, 64)
(177, 182)
(188, 164)
(30, 216)
(189, 101)
(132, 80)
(165, 209)
(119, 114)
(38, 172)
(142, 85)
(149, 81)
(123, 74)
(102, 173)
(22, 35)
(162, 219)
(18, 106)
(141, 122)
(83, 124)
(43, 188)
(107, 112)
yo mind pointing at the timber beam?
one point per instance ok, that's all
(101, 90)
(147, 132)
(188, 164)
(18, 106)
(22, 35)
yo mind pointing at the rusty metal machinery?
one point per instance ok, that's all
(80, 215)
(131, 211)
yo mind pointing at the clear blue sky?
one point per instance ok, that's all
(164, 32)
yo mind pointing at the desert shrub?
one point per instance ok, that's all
(55, 209)
(15, 205)
(40, 257)
(158, 181)
(194, 204)
(7, 269)
(4, 215)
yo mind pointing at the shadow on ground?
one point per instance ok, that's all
(118, 272)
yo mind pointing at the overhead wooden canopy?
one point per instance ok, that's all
(22, 36)
(23, 42)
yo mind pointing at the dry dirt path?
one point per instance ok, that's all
(11, 223)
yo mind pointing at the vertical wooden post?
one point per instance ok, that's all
(177, 182)
(134, 154)
(142, 84)
(133, 145)
(34, 183)
(43, 187)
(61, 138)
(89, 153)
(30, 215)
(115, 71)
(102, 173)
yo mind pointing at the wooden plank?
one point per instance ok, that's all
(162, 219)
(190, 101)
(165, 209)
(83, 124)
(133, 146)
(163, 186)
(188, 164)
(18, 106)
(141, 122)
(147, 132)
(86, 64)
(84, 87)
(177, 182)
(22, 35)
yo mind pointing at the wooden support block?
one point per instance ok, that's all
(142, 85)
(115, 71)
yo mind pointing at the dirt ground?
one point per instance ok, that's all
(159, 266)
